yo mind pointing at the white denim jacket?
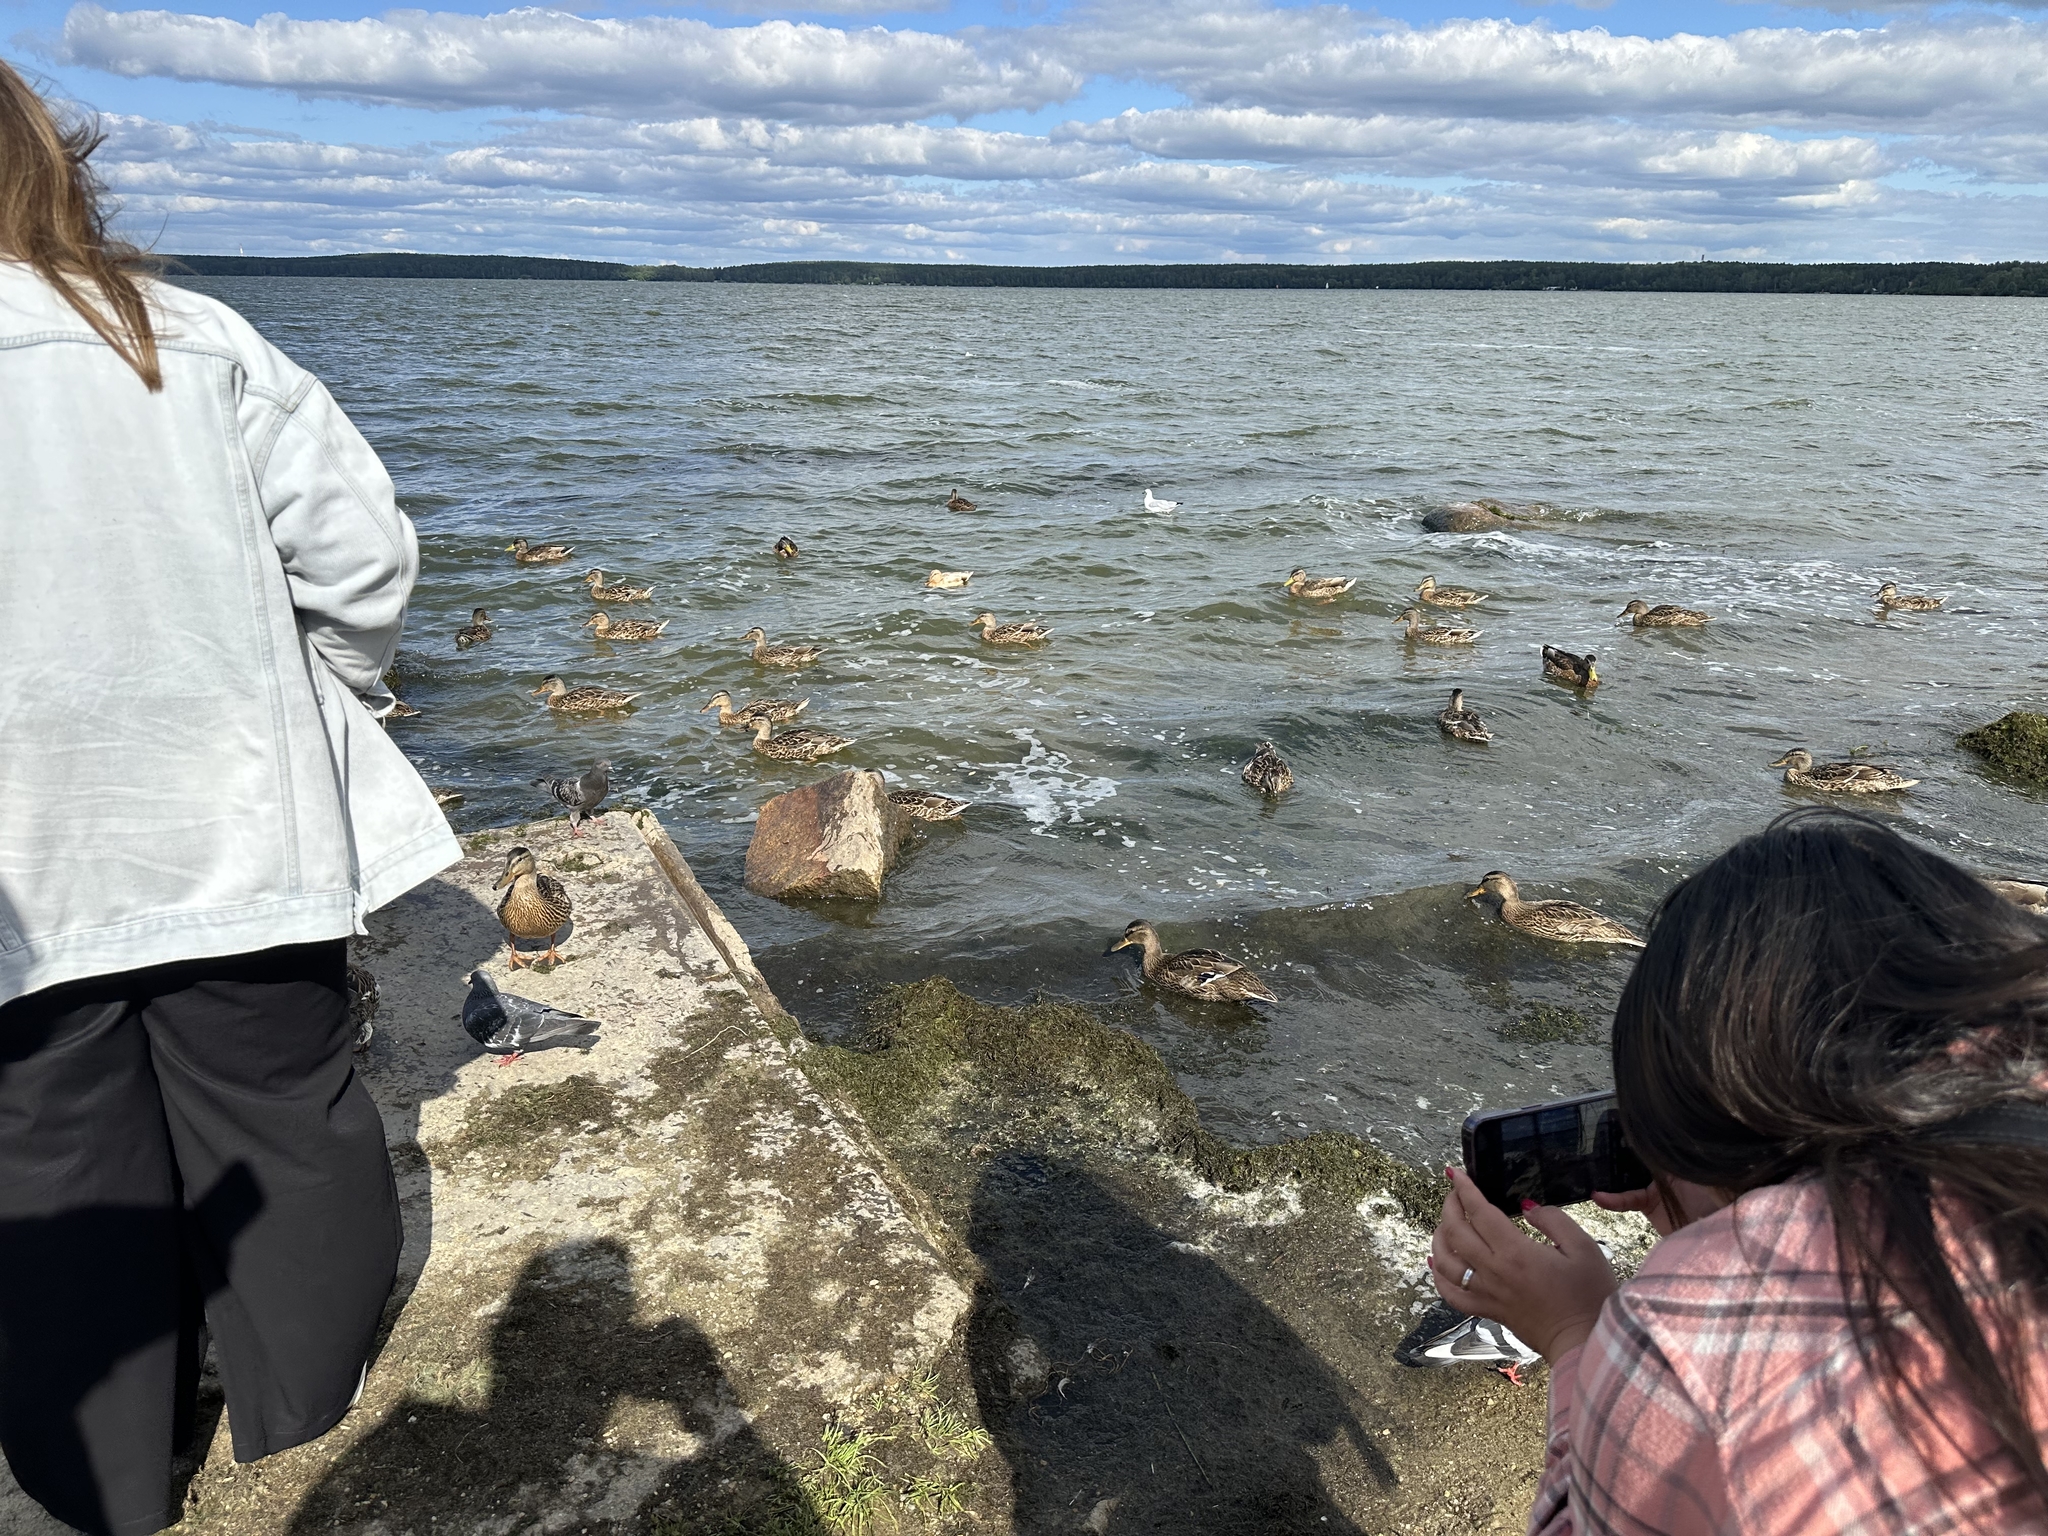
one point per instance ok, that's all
(199, 590)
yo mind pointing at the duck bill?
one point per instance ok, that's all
(1475, 893)
(1119, 944)
(506, 879)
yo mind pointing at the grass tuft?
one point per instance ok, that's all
(949, 1432)
(928, 1496)
(846, 1486)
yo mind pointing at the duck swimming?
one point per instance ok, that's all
(1268, 772)
(617, 592)
(1565, 921)
(775, 711)
(1447, 597)
(1840, 778)
(1200, 973)
(802, 745)
(1889, 597)
(609, 628)
(958, 503)
(1317, 589)
(779, 655)
(927, 805)
(1433, 634)
(1454, 719)
(1570, 669)
(1029, 633)
(785, 548)
(477, 629)
(1663, 616)
(589, 699)
(534, 908)
(948, 580)
(538, 554)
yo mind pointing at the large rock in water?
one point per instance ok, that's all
(2014, 744)
(834, 839)
(1465, 517)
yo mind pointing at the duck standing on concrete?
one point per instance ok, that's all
(477, 629)
(512, 1025)
(1200, 973)
(539, 554)
(1889, 597)
(1840, 778)
(928, 805)
(1573, 670)
(1434, 634)
(1447, 597)
(535, 906)
(785, 548)
(958, 503)
(1454, 719)
(588, 699)
(1565, 921)
(992, 633)
(1268, 772)
(767, 655)
(802, 745)
(609, 628)
(582, 796)
(602, 591)
(1663, 616)
(775, 711)
(1317, 589)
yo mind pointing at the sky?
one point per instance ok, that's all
(1058, 131)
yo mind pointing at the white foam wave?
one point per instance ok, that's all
(1047, 787)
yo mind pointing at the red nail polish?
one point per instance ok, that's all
(1528, 1205)
(1451, 1174)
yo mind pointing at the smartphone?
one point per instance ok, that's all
(1554, 1154)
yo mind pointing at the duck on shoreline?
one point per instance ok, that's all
(1434, 634)
(535, 906)
(1564, 921)
(1663, 616)
(1198, 973)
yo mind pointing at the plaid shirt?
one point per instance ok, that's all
(1722, 1391)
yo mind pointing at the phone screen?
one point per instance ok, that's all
(1554, 1154)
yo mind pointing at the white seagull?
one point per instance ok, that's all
(1154, 504)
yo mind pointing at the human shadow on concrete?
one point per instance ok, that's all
(578, 1416)
(1112, 1363)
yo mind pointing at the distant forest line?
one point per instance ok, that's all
(2005, 279)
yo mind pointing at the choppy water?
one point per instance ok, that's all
(1771, 459)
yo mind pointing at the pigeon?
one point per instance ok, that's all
(1446, 1336)
(1154, 504)
(512, 1026)
(582, 796)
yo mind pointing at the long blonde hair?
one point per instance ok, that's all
(53, 215)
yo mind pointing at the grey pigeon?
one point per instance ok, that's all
(512, 1026)
(582, 796)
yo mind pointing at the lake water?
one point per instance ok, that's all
(1769, 459)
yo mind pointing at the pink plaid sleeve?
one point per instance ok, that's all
(1647, 1461)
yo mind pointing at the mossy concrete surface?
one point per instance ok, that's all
(2015, 745)
(644, 1284)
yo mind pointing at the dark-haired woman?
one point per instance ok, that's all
(1834, 1054)
(205, 577)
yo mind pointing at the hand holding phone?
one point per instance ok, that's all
(1554, 1154)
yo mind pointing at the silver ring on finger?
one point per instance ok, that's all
(1465, 1281)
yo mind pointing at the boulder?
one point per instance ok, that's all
(2014, 744)
(1465, 517)
(835, 839)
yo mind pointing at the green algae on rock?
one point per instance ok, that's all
(2016, 745)
(1542, 1023)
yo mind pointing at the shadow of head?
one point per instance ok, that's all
(1110, 1358)
(574, 1412)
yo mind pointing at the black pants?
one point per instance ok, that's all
(182, 1148)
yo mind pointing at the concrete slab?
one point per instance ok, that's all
(666, 1260)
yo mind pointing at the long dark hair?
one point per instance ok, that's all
(1820, 1000)
(53, 215)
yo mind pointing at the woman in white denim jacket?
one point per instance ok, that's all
(203, 581)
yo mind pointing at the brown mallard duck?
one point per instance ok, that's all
(609, 628)
(1447, 597)
(535, 906)
(539, 554)
(1889, 597)
(958, 503)
(1268, 772)
(767, 655)
(1202, 973)
(1454, 719)
(774, 711)
(1565, 921)
(400, 710)
(1840, 778)
(948, 580)
(785, 548)
(1433, 634)
(928, 805)
(602, 591)
(1028, 633)
(1317, 589)
(478, 628)
(802, 745)
(589, 699)
(1569, 668)
(447, 797)
(1663, 616)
